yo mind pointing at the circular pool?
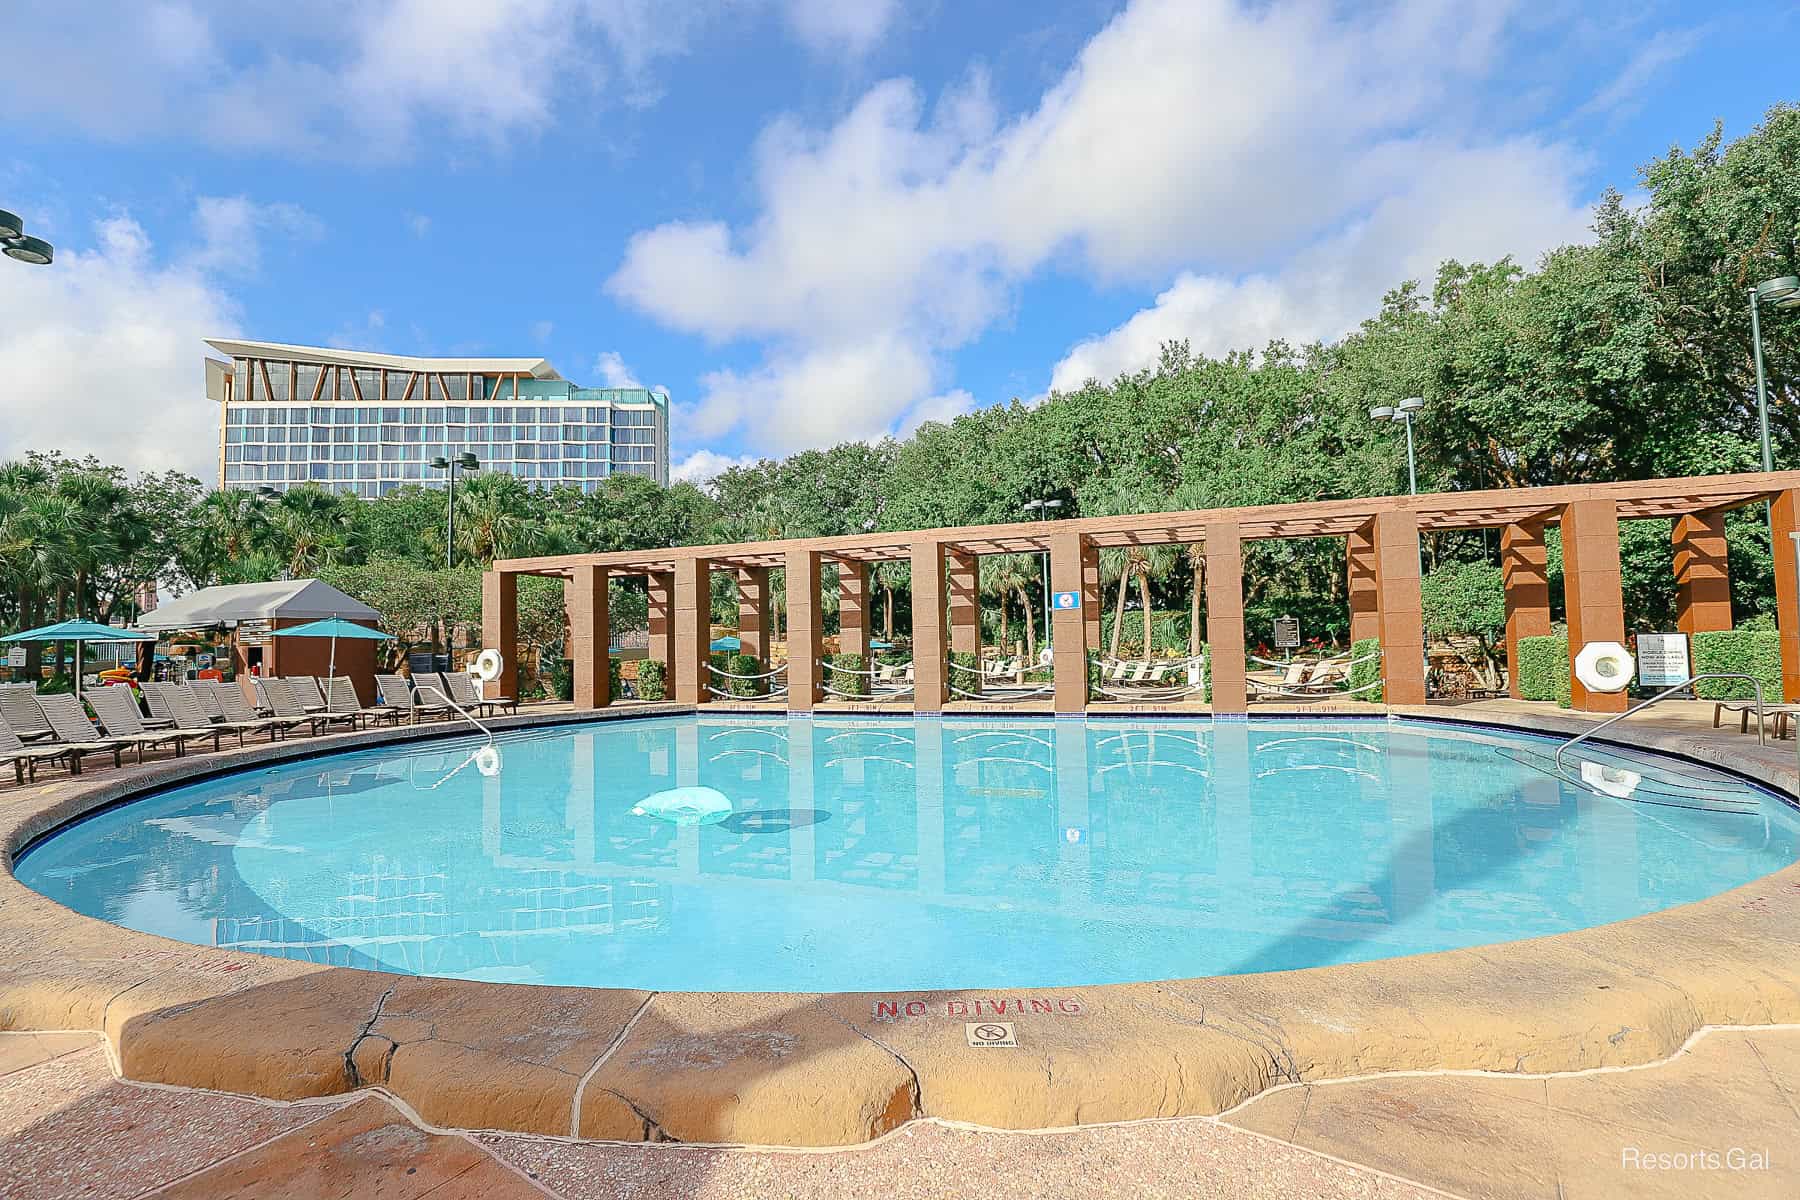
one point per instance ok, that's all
(871, 853)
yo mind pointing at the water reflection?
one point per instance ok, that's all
(867, 853)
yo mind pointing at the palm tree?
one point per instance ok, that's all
(493, 517)
(312, 527)
(1127, 564)
(889, 575)
(1005, 575)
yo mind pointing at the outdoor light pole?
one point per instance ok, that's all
(1042, 508)
(467, 462)
(1782, 292)
(1403, 412)
(15, 244)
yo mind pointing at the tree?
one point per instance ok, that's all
(1467, 599)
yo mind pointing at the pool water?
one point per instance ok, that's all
(884, 854)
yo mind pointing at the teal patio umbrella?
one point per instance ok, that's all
(79, 632)
(334, 628)
(726, 644)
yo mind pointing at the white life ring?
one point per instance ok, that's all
(487, 760)
(1605, 667)
(488, 665)
(1046, 657)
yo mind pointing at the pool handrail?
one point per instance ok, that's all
(1762, 736)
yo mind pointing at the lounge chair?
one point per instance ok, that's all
(308, 692)
(74, 731)
(183, 705)
(462, 690)
(178, 708)
(282, 699)
(118, 712)
(26, 758)
(341, 697)
(396, 690)
(19, 706)
(237, 711)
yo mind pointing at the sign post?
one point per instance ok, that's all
(1662, 660)
(1287, 633)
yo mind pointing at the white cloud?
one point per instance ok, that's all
(232, 230)
(613, 372)
(267, 75)
(703, 465)
(1474, 205)
(418, 224)
(841, 26)
(1625, 94)
(1189, 135)
(541, 331)
(102, 354)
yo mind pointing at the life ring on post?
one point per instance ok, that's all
(1605, 667)
(488, 665)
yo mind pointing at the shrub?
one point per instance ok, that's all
(652, 680)
(745, 664)
(615, 685)
(965, 674)
(845, 674)
(1543, 668)
(1364, 673)
(1739, 652)
(562, 679)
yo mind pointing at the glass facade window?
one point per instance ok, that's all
(367, 438)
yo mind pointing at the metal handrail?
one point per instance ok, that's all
(439, 692)
(1762, 737)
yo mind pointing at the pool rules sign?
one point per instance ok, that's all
(1662, 659)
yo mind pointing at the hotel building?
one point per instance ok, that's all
(367, 423)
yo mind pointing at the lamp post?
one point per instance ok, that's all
(14, 243)
(1042, 508)
(1782, 292)
(467, 462)
(1403, 412)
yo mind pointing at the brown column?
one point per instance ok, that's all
(963, 602)
(500, 629)
(1069, 625)
(1525, 574)
(693, 631)
(1702, 578)
(1359, 567)
(853, 607)
(804, 625)
(930, 646)
(1785, 512)
(1091, 599)
(590, 636)
(661, 587)
(1401, 612)
(753, 611)
(1592, 593)
(1225, 616)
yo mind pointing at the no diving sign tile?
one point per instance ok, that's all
(991, 1033)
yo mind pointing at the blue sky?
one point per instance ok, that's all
(808, 220)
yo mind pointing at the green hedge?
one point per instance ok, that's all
(1740, 652)
(965, 680)
(844, 672)
(1543, 668)
(1206, 672)
(744, 664)
(652, 680)
(1364, 673)
(615, 686)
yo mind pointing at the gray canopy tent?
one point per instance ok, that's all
(255, 612)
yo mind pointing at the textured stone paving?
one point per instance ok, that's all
(68, 1128)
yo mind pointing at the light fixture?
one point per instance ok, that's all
(1783, 291)
(32, 250)
(11, 225)
(469, 462)
(1383, 412)
(1411, 404)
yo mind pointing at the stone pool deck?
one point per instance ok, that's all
(836, 1070)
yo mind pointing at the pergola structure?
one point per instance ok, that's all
(1382, 536)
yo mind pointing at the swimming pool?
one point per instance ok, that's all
(872, 853)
